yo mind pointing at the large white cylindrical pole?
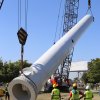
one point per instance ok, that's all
(27, 86)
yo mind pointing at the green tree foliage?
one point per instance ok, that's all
(10, 70)
(93, 74)
(76, 79)
(84, 78)
(1, 65)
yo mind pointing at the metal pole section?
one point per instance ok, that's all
(27, 86)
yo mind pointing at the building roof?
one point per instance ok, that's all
(79, 66)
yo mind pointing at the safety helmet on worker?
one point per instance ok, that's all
(74, 85)
(87, 87)
(55, 85)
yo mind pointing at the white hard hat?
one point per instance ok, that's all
(87, 87)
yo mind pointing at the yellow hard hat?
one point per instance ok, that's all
(74, 85)
(55, 85)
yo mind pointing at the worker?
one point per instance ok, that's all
(2, 93)
(7, 96)
(88, 95)
(75, 94)
(55, 94)
(54, 81)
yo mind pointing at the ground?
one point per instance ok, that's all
(46, 96)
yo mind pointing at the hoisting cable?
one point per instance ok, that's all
(19, 14)
(19, 25)
(63, 22)
(60, 34)
(22, 33)
(26, 13)
(89, 8)
(57, 23)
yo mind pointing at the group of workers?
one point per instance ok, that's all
(73, 95)
(4, 93)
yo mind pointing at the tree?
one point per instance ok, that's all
(84, 78)
(10, 70)
(94, 70)
(1, 64)
(76, 79)
(93, 74)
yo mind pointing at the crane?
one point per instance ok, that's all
(27, 85)
(70, 19)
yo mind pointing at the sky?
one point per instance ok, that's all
(41, 27)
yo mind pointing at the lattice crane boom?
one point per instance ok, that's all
(70, 19)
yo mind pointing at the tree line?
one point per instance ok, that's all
(93, 73)
(10, 70)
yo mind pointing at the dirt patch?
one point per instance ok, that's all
(46, 96)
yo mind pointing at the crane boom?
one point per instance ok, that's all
(70, 19)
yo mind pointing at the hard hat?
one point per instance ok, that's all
(74, 85)
(87, 87)
(55, 85)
